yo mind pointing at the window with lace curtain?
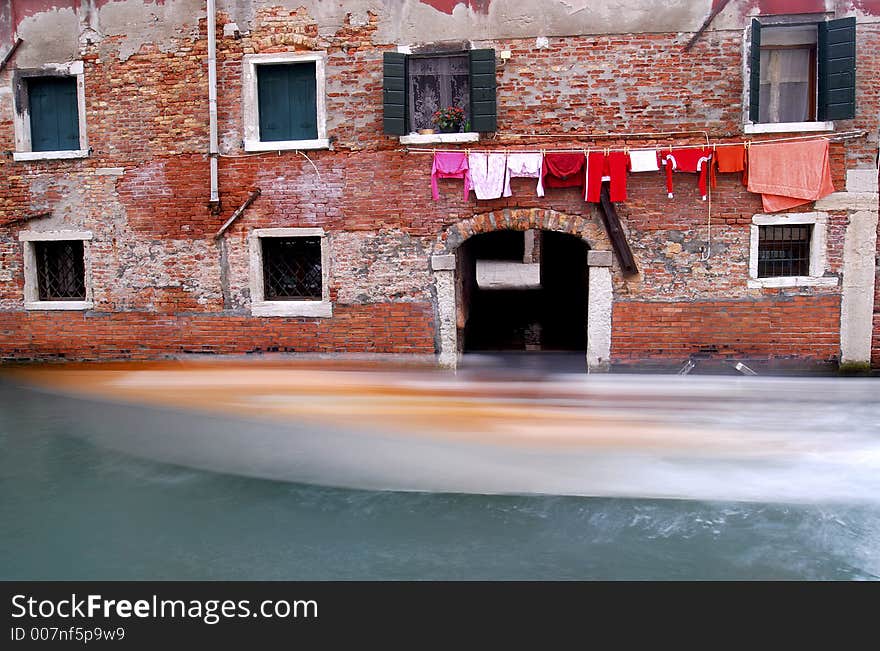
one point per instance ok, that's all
(436, 82)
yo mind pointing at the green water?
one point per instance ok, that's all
(72, 510)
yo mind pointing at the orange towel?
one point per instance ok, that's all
(729, 159)
(789, 174)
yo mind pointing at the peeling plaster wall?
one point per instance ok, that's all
(48, 37)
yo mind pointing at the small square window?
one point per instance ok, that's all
(289, 272)
(784, 250)
(291, 268)
(57, 270)
(789, 251)
(60, 270)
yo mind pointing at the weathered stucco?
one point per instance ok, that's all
(55, 30)
(48, 37)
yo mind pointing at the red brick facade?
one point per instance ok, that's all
(163, 286)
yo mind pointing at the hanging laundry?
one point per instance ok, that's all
(611, 167)
(450, 165)
(789, 174)
(563, 171)
(524, 166)
(488, 172)
(643, 160)
(729, 159)
(692, 160)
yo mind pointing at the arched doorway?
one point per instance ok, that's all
(572, 237)
(522, 291)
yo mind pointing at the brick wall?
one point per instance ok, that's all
(162, 285)
(799, 327)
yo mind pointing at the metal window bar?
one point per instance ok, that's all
(784, 251)
(292, 268)
(60, 270)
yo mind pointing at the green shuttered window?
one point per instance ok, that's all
(54, 113)
(414, 86)
(802, 72)
(287, 95)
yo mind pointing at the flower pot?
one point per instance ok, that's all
(451, 129)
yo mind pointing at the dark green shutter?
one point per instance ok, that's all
(755, 72)
(394, 93)
(484, 111)
(837, 69)
(287, 102)
(54, 110)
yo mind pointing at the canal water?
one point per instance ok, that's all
(74, 505)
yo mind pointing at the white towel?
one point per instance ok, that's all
(643, 160)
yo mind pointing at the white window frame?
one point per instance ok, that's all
(31, 280)
(251, 103)
(308, 308)
(22, 116)
(818, 251)
(750, 127)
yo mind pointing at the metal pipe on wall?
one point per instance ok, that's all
(213, 148)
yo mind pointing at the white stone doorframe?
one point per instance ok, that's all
(599, 304)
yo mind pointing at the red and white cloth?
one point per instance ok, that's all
(692, 160)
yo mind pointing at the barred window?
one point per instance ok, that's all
(60, 270)
(291, 268)
(784, 250)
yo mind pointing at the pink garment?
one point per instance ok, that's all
(524, 166)
(789, 174)
(450, 165)
(488, 172)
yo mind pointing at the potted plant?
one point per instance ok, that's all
(448, 119)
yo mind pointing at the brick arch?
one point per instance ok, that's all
(517, 219)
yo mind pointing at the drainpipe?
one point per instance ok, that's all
(213, 148)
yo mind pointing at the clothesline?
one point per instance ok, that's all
(846, 135)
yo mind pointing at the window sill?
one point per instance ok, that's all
(439, 138)
(794, 281)
(49, 155)
(787, 127)
(286, 145)
(58, 305)
(292, 308)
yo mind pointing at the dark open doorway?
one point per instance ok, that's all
(522, 291)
